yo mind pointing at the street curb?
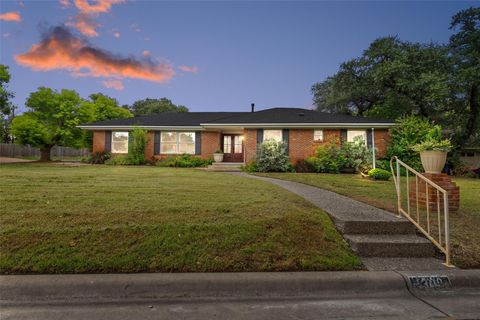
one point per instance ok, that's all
(458, 279)
(37, 288)
(142, 286)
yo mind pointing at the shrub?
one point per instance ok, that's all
(379, 174)
(357, 155)
(328, 159)
(408, 132)
(272, 157)
(118, 161)
(303, 166)
(250, 167)
(184, 161)
(97, 158)
(433, 141)
(136, 147)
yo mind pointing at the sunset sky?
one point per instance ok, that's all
(209, 56)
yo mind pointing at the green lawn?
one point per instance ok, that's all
(464, 224)
(58, 218)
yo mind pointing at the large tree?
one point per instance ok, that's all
(6, 106)
(465, 50)
(52, 119)
(149, 106)
(394, 78)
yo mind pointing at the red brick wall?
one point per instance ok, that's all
(98, 141)
(382, 140)
(210, 143)
(301, 144)
(250, 144)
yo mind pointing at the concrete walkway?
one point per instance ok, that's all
(282, 295)
(383, 240)
(13, 160)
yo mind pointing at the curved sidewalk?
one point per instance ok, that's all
(374, 234)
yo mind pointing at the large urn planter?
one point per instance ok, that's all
(433, 161)
(218, 157)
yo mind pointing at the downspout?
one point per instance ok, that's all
(373, 147)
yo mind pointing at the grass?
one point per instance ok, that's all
(58, 218)
(464, 224)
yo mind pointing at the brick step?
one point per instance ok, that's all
(394, 245)
(401, 226)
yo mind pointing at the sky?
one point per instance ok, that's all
(206, 55)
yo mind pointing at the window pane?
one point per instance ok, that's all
(119, 142)
(168, 147)
(272, 135)
(238, 144)
(352, 134)
(318, 135)
(169, 137)
(186, 137)
(186, 148)
(227, 144)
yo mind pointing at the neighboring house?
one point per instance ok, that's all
(238, 133)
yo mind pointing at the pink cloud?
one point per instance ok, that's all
(114, 84)
(99, 6)
(192, 69)
(64, 3)
(116, 34)
(61, 50)
(146, 53)
(11, 16)
(85, 24)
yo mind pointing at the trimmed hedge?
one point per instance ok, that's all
(379, 174)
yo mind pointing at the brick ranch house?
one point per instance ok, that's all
(238, 133)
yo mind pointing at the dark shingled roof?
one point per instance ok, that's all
(294, 115)
(274, 115)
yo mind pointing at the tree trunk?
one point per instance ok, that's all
(474, 110)
(45, 153)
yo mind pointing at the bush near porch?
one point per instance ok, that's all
(464, 224)
(83, 218)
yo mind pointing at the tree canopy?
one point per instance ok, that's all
(6, 106)
(53, 117)
(149, 106)
(395, 78)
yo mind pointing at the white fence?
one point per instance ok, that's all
(16, 150)
(424, 203)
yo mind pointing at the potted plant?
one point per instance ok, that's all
(433, 150)
(218, 156)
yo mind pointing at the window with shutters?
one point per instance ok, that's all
(272, 135)
(318, 135)
(119, 142)
(177, 142)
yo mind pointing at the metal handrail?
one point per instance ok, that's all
(444, 245)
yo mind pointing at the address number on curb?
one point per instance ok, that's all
(430, 282)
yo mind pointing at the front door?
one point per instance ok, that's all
(232, 145)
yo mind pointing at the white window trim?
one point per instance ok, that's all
(322, 137)
(112, 142)
(177, 142)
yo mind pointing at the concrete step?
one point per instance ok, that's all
(225, 166)
(390, 245)
(400, 226)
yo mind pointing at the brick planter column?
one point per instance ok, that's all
(444, 181)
